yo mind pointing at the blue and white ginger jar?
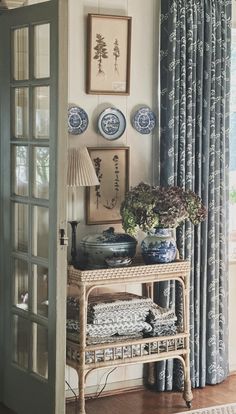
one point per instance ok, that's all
(159, 246)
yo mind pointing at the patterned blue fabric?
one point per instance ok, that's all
(195, 85)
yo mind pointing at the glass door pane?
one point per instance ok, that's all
(21, 53)
(40, 230)
(41, 172)
(20, 170)
(42, 51)
(20, 349)
(40, 350)
(21, 113)
(40, 275)
(21, 284)
(20, 228)
(30, 203)
(41, 112)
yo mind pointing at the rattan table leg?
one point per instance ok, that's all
(82, 334)
(81, 391)
(187, 394)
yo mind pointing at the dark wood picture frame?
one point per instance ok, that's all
(108, 54)
(112, 169)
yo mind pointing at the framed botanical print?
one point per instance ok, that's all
(108, 54)
(112, 168)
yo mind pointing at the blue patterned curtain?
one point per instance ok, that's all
(195, 84)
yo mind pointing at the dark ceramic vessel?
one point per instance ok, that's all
(107, 249)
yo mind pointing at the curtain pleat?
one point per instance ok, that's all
(194, 151)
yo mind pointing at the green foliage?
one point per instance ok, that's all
(146, 207)
(232, 196)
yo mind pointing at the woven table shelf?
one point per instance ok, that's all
(84, 357)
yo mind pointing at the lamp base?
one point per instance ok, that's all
(73, 224)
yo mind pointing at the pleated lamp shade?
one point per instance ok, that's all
(80, 172)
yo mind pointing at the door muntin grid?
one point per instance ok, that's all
(30, 155)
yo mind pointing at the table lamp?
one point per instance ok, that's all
(80, 173)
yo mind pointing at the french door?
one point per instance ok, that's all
(33, 93)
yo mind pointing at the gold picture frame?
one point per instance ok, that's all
(108, 54)
(112, 168)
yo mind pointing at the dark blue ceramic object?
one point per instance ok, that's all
(107, 249)
(159, 246)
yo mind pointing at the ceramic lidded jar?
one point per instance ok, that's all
(107, 249)
(159, 246)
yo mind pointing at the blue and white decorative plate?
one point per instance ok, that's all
(144, 120)
(111, 123)
(77, 120)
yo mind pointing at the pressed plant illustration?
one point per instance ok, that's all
(97, 164)
(112, 203)
(100, 52)
(116, 54)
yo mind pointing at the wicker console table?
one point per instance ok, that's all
(123, 353)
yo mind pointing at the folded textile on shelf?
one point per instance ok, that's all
(164, 329)
(109, 329)
(157, 314)
(121, 314)
(109, 307)
(74, 336)
(135, 314)
(162, 320)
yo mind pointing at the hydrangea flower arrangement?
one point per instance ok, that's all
(147, 207)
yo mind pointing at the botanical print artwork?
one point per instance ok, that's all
(111, 202)
(104, 200)
(116, 54)
(102, 52)
(97, 165)
(108, 54)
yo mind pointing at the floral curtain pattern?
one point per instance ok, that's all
(195, 85)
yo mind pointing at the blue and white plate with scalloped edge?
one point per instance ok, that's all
(77, 120)
(144, 120)
(111, 124)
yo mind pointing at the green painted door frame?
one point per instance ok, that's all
(22, 389)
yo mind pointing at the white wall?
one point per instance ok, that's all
(143, 91)
(232, 312)
(143, 148)
(143, 85)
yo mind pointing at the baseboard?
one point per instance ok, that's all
(117, 387)
(111, 389)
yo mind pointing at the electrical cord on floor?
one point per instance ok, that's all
(76, 396)
(98, 393)
(105, 383)
(104, 386)
(67, 383)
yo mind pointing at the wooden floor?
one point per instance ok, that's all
(148, 402)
